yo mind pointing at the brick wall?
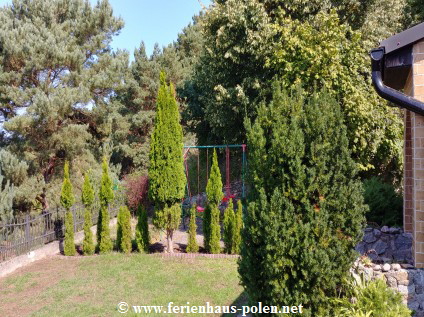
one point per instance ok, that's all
(414, 160)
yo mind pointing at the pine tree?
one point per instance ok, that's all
(211, 227)
(229, 227)
(106, 196)
(238, 226)
(305, 211)
(192, 246)
(123, 235)
(67, 199)
(6, 201)
(87, 198)
(142, 235)
(66, 96)
(166, 171)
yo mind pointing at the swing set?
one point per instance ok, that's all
(230, 193)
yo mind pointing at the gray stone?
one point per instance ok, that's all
(377, 267)
(361, 248)
(394, 230)
(369, 237)
(403, 278)
(385, 229)
(406, 290)
(407, 266)
(377, 233)
(386, 267)
(380, 247)
(396, 267)
(391, 282)
(369, 229)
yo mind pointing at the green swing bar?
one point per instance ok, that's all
(227, 147)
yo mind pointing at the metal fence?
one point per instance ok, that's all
(20, 236)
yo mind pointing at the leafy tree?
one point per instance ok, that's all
(87, 198)
(142, 235)
(166, 171)
(214, 194)
(192, 246)
(305, 211)
(238, 226)
(61, 74)
(315, 44)
(67, 199)
(123, 235)
(106, 196)
(229, 227)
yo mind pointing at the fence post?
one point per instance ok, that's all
(27, 232)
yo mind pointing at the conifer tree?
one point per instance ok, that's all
(166, 172)
(229, 227)
(123, 235)
(305, 211)
(238, 226)
(142, 236)
(106, 196)
(192, 246)
(67, 199)
(6, 200)
(211, 227)
(87, 199)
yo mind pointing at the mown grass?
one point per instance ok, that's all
(93, 286)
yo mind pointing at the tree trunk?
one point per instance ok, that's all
(169, 234)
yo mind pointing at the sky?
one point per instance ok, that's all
(151, 21)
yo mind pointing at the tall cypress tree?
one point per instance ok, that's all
(166, 172)
(229, 227)
(214, 194)
(192, 246)
(67, 199)
(142, 236)
(87, 198)
(305, 211)
(238, 226)
(123, 234)
(106, 196)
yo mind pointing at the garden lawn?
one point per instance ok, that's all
(93, 286)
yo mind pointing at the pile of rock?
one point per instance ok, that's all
(404, 278)
(386, 245)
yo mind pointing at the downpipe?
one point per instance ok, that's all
(390, 94)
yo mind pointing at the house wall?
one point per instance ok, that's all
(414, 160)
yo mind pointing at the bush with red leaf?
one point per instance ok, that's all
(137, 186)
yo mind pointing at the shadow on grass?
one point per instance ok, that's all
(239, 302)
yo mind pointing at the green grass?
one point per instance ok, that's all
(93, 286)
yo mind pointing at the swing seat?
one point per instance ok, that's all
(200, 209)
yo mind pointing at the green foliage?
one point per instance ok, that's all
(87, 196)
(69, 243)
(238, 226)
(88, 247)
(123, 234)
(104, 241)
(66, 97)
(166, 172)
(6, 200)
(372, 299)
(67, 198)
(168, 218)
(385, 203)
(106, 191)
(142, 235)
(214, 246)
(322, 44)
(214, 192)
(305, 212)
(192, 246)
(229, 224)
